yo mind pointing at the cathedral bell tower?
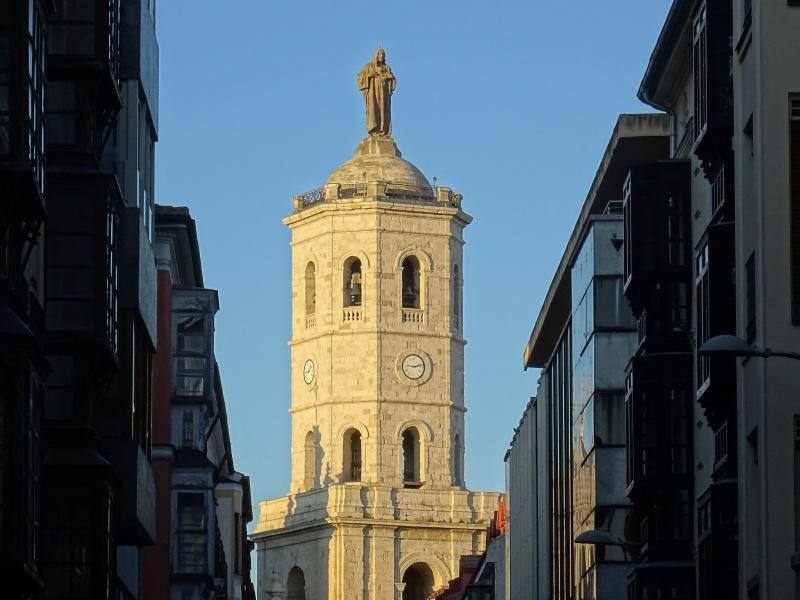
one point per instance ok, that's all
(378, 508)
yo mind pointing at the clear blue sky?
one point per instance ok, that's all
(510, 103)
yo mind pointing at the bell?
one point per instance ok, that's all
(355, 289)
(409, 297)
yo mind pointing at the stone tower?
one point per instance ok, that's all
(377, 509)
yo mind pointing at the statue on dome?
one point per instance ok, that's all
(377, 83)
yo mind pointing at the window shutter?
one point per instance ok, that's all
(794, 135)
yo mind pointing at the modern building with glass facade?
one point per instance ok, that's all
(581, 342)
(603, 339)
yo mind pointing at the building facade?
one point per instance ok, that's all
(527, 543)
(710, 240)
(78, 297)
(203, 504)
(566, 466)
(23, 368)
(766, 148)
(378, 507)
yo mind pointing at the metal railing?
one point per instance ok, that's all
(405, 190)
(313, 196)
(389, 189)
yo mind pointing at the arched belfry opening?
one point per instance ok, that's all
(296, 584)
(311, 288)
(457, 479)
(352, 455)
(456, 294)
(410, 283)
(353, 292)
(411, 452)
(418, 580)
(309, 461)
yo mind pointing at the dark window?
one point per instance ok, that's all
(679, 432)
(192, 364)
(22, 133)
(703, 308)
(795, 206)
(411, 282)
(411, 455)
(5, 84)
(750, 300)
(73, 31)
(718, 190)
(111, 277)
(62, 101)
(700, 63)
(677, 232)
(60, 397)
(76, 541)
(610, 306)
(188, 429)
(191, 534)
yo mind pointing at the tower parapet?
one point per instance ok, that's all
(378, 502)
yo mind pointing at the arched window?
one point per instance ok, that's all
(296, 584)
(352, 455)
(352, 282)
(456, 293)
(309, 461)
(410, 282)
(311, 288)
(419, 582)
(411, 456)
(456, 460)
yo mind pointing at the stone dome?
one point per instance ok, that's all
(378, 159)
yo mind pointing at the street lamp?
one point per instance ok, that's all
(600, 537)
(730, 345)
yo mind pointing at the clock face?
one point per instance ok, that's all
(309, 371)
(413, 366)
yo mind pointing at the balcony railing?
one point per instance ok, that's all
(313, 197)
(311, 320)
(351, 314)
(385, 190)
(720, 445)
(718, 191)
(413, 315)
(404, 190)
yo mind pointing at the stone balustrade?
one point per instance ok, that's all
(351, 314)
(413, 315)
(346, 501)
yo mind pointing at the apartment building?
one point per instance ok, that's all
(203, 504)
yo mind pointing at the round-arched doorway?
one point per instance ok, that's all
(296, 584)
(419, 582)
